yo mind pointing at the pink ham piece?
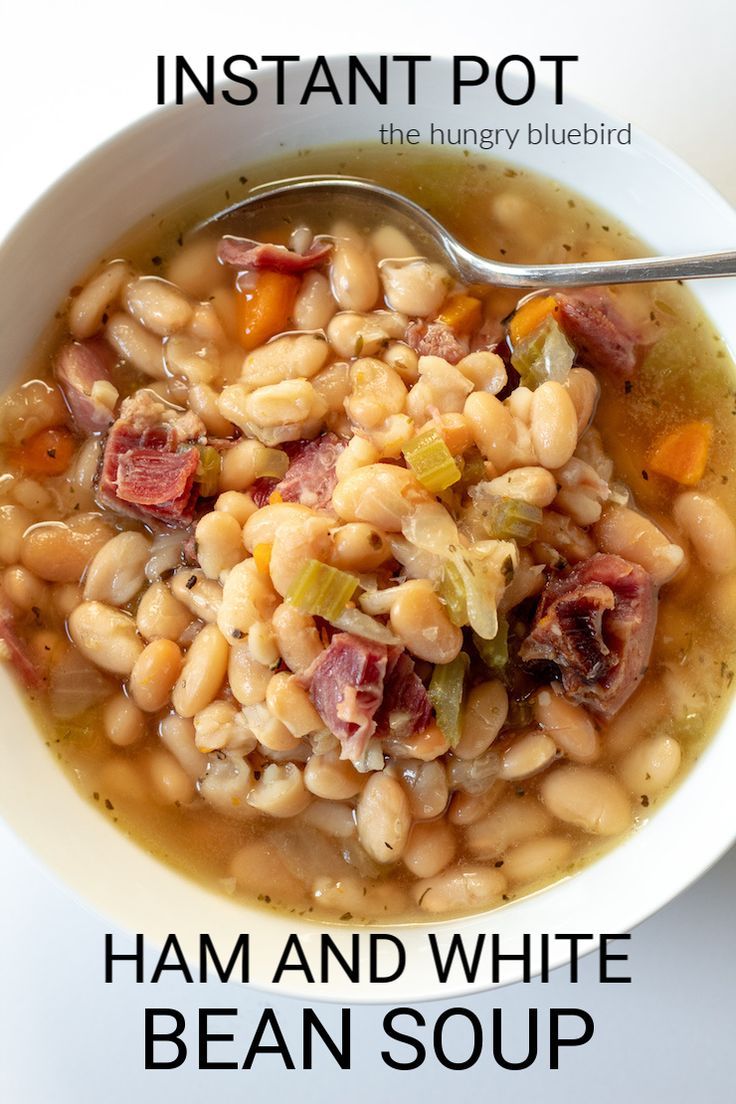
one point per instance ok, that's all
(603, 340)
(262, 489)
(596, 625)
(311, 477)
(146, 476)
(346, 684)
(436, 339)
(247, 256)
(16, 652)
(406, 707)
(79, 366)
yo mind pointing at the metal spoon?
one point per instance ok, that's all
(340, 192)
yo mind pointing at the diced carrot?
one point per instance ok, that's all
(531, 315)
(265, 308)
(262, 556)
(462, 313)
(48, 452)
(275, 498)
(683, 454)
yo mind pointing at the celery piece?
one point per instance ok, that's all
(452, 592)
(545, 354)
(272, 463)
(474, 468)
(431, 461)
(494, 653)
(509, 518)
(446, 691)
(321, 590)
(208, 470)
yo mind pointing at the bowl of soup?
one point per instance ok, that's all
(337, 593)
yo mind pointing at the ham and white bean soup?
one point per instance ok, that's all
(351, 589)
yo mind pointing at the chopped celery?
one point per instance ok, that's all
(431, 461)
(446, 694)
(208, 470)
(509, 518)
(452, 592)
(545, 354)
(474, 468)
(494, 653)
(321, 590)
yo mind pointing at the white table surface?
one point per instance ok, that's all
(70, 74)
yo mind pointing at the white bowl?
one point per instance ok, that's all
(143, 169)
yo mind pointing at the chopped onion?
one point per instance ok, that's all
(360, 624)
(75, 686)
(545, 355)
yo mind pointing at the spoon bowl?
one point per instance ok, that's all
(353, 196)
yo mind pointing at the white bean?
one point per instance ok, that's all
(117, 572)
(88, 308)
(248, 678)
(353, 276)
(219, 543)
(314, 305)
(588, 798)
(460, 889)
(430, 849)
(280, 791)
(569, 726)
(526, 755)
(203, 672)
(123, 721)
(554, 424)
(159, 614)
(143, 350)
(537, 859)
(247, 597)
(157, 305)
(287, 358)
(383, 818)
(414, 287)
(106, 636)
(512, 821)
(627, 533)
(536, 486)
(710, 529)
(651, 765)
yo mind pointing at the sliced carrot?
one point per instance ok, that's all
(683, 454)
(462, 313)
(262, 556)
(265, 308)
(48, 452)
(531, 315)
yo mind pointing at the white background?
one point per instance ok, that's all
(70, 75)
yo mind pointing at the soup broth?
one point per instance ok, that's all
(211, 640)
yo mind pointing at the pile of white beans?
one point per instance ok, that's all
(192, 673)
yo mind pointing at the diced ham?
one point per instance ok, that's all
(247, 255)
(79, 366)
(602, 339)
(14, 650)
(436, 339)
(346, 684)
(147, 469)
(311, 477)
(406, 707)
(596, 625)
(262, 489)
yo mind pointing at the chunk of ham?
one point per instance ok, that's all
(311, 477)
(345, 683)
(247, 255)
(602, 338)
(79, 366)
(15, 651)
(361, 688)
(436, 339)
(149, 465)
(406, 707)
(596, 625)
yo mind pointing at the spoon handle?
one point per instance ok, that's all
(690, 267)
